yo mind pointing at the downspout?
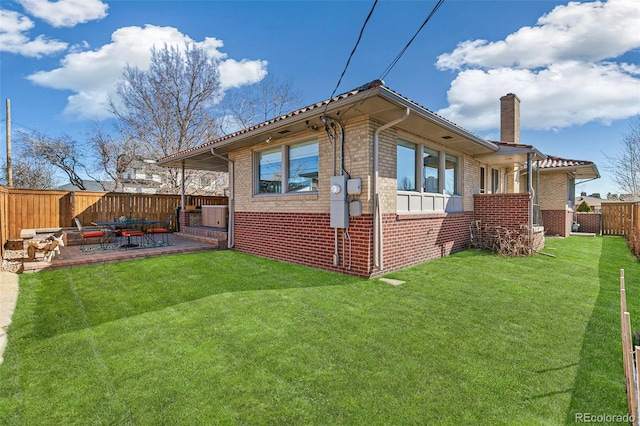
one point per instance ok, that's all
(378, 258)
(530, 190)
(231, 237)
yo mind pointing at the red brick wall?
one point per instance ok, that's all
(306, 239)
(413, 239)
(508, 210)
(589, 222)
(557, 222)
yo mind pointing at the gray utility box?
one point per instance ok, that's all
(339, 215)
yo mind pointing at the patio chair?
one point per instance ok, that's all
(162, 231)
(128, 234)
(89, 234)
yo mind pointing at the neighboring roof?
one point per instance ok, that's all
(592, 201)
(90, 185)
(373, 99)
(580, 168)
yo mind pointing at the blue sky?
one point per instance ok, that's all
(575, 66)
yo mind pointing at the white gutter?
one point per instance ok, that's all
(231, 235)
(378, 257)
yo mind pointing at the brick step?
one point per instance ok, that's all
(216, 242)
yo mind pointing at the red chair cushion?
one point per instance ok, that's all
(157, 231)
(91, 234)
(127, 233)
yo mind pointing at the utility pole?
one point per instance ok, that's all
(9, 168)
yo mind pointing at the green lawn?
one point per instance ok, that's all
(227, 338)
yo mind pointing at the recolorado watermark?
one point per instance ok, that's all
(603, 418)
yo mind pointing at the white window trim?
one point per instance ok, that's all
(284, 169)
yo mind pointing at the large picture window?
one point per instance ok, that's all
(303, 167)
(288, 169)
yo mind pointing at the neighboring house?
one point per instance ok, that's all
(593, 202)
(370, 182)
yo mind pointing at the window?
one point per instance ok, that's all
(406, 179)
(270, 171)
(303, 167)
(495, 181)
(451, 175)
(293, 168)
(430, 163)
(483, 185)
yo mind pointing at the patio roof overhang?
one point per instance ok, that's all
(509, 154)
(379, 103)
(583, 171)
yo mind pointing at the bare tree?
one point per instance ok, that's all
(625, 166)
(113, 156)
(31, 173)
(169, 108)
(61, 152)
(249, 105)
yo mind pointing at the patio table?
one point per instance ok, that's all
(127, 224)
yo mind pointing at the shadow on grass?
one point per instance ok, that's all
(599, 383)
(77, 298)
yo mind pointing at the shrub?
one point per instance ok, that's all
(584, 208)
(633, 241)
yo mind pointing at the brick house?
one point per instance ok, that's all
(554, 178)
(365, 183)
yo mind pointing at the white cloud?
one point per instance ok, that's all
(239, 73)
(65, 13)
(561, 69)
(13, 27)
(562, 95)
(93, 75)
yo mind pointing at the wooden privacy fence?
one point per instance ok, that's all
(620, 218)
(33, 209)
(630, 357)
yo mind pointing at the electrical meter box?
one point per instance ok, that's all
(355, 208)
(339, 215)
(354, 186)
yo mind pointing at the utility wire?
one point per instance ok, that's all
(404, 49)
(352, 53)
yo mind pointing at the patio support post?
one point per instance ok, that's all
(182, 188)
(230, 226)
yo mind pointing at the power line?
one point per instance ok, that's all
(352, 52)
(404, 49)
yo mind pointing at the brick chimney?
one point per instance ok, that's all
(510, 119)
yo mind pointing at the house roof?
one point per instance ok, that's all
(581, 169)
(372, 99)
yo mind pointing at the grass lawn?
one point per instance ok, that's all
(227, 338)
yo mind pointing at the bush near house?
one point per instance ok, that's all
(633, 241)
(584, 208)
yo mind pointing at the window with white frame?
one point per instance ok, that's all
(437, 175)
(430, 167)
(451, 175)
(495, 181)
(291, 168)
(483, 180)
(406, 163)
